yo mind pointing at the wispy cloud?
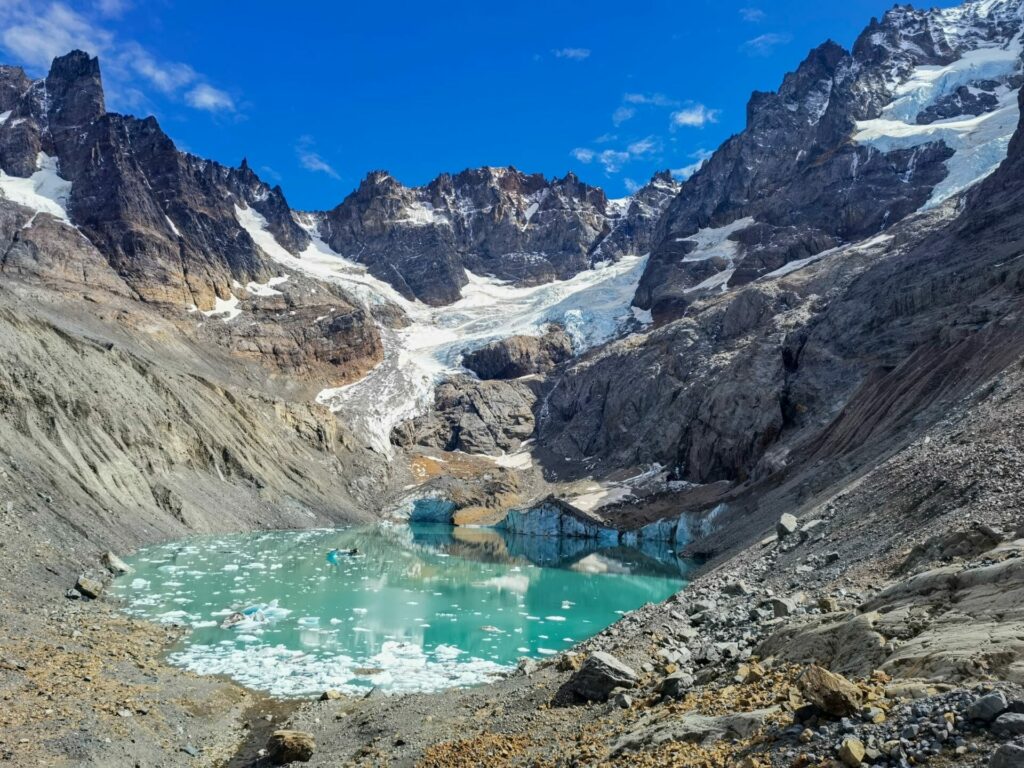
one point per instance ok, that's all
(699, 157)
(694, 116)
(622, 114)
(652, 99)
(311, 160)
(34, 32)
(211, 99)
(575, 54)
(752, 15)
(764, 45)
(613, 160)
(631, 185)
(112, 8)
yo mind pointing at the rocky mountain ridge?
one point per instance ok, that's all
(837, 155)
(499, 222)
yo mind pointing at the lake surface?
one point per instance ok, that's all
(420, 607)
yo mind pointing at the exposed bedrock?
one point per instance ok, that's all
(519, 356)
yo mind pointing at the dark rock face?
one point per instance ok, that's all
(492, 221)
(474, 417)
(825, 367)
(963, 101)
(794, 169)
(161, 225)
(519, 356)
(164, 219)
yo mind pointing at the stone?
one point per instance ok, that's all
(694, 729)
(623, 700)
(676, 685)
(831, 693)
(781, 606)
(331, 695)
(599, 675)
(287, 746)
(828, 605)
(115, 564)
(987, 708)
(1008, 724)
(737, 588)
(91, 588)
(1007, 756)
(786, 526)
(851, 752)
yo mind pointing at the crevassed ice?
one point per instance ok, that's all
(592, 306)
(979, 143)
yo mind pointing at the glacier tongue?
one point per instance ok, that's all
(593, 306)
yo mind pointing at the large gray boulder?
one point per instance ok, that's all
(599, 675)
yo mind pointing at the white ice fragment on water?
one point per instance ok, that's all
(44, 191)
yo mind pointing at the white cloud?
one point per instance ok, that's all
(35, 32)
(585, 156)
(211, 99)
(631, 185)
(311, 160)
(644, 146)
(763, 45)
(166, 76)
(752, 15)
(612, 160)
(652, 99)
(576, 54)
(622, 114)
(695, 116)
(35, 36)
(699, 157)
(112, 8)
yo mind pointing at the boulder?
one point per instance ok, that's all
(987, 708)
(829, 692)
(91, 588)
(331, 695)
(288, 746)
(1007, 756)
(676, 685)
(851, 752)
(115, 564)
(781, 606)
(786, 526)
(599, 675)
(1008, 724)
(693, 728)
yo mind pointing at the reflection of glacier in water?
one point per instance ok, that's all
(420, 608)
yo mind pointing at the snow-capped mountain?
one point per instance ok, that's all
(851, 143)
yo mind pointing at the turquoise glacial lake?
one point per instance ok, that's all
(421, 607)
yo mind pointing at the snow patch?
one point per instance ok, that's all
(227, 309)
(44, 191)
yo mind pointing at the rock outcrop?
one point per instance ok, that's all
(519, 356)
(473, 416)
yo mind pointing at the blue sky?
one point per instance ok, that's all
(316, 94)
